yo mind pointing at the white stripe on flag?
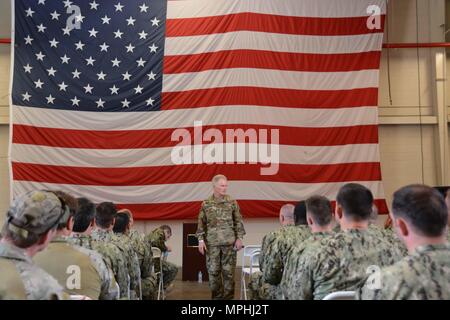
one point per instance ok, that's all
(188, 192)
(246, 77)
(272, 42)
(245, 115)
(127, 158)
(303, 8)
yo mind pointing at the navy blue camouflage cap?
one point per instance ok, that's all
(36, 212)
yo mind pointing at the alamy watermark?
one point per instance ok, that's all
(235, 146)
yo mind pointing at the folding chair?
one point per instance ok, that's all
(250, 253)
(157, 254)
(340, 295)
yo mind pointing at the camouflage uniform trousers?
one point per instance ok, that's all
(260, 290)
(169, 271)
(221, 264)
(149, 287)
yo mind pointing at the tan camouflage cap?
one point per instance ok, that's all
(36, 212)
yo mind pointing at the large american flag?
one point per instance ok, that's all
(100, 86)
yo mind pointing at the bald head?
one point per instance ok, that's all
(220, 185)
(287, 214)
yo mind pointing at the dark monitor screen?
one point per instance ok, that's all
(192, 240)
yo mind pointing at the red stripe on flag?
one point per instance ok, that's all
(272, 60)
(141, 176)
(257, 96)
(249, 209)
(86, 139)
(258, 22)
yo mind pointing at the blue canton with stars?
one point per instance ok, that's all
(89, 55)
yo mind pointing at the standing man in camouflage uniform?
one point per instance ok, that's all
(30, 225)
(104, 221)
(274, 251)
(320, 221)
(220, 232)
(79, 270)
(83, 224)
(157, 238)
(341, 262)
(420, 218)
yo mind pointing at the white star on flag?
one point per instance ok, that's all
(28, 40)
(131, 21)
(100, 103)
(26, 96)
(114, 90)
(125, 103)
(119, 7)
(138, 89)
(94, 5)
(29, 12)
(28, 68)
(118, 34)
(93, 33)
(65, 59)
(62, 86)
(66, 31)
(126, 76)
(116, 62)
(51, 72)
(104, 47)
(105, 19)
(90, 61)
(144, 7)
(155, 22)
(88, 88)
(38, 84)
(67, 3)
(40, 56)
(76, 74)
(55, 15)
(75, 101)
(141, 62)
(101, 75)
(153, 48)
(130, 48)
(41, 28)
(54, 43)
(143, 35)
(80, 45)
(50, 99)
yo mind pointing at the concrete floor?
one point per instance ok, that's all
(191, 290)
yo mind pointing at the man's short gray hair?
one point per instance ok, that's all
(287, 211)
(218, 177)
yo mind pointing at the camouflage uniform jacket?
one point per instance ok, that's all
(130, 257)
(423, 275)
(37, 284)
(143, 252)
(112, 255)
(134, 270)
(108, 289)
(220, 222)
(290, 282)
(157, 239)
(392, 237)
(275, 250)
(341, 262)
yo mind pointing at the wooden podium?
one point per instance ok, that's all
(193, 261)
